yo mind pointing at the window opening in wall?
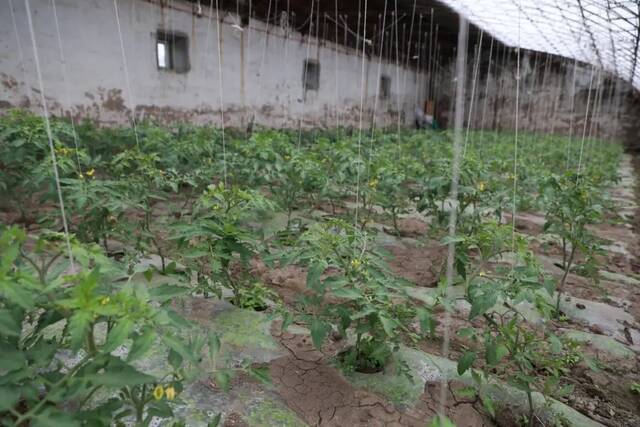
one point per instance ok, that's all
(385, 87)
(172, 51)
(311, 75)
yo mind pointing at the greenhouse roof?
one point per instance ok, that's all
(601, 32)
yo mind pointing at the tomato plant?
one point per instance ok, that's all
(571, 204)
(351, 288)
(63, 332)
(217, 238)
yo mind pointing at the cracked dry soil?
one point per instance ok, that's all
(321, 396)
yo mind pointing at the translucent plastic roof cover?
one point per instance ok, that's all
(601, 32)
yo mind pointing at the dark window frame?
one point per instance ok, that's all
(385, 86)
(173, 41)
(311, 75)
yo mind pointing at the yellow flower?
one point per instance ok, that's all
(373, 183)
(287, 157)
(105, 300)
(481, 186)
(355, 263)
(158, 392)
(170, 392)
(482, 274)
(90, 172)
(80, 175)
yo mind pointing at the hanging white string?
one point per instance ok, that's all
(429, 59)
(206, 39)
(65, 82)
(486, 92)
(378, 74)
(220, 94)
(572, 112)
(476, 67)
(461, 64)
(408, 57)
(262, 60)
(45, 113)
(586, 119)
(126, 75)
(336, 65)
(515, 143)
(419, 54)
(593, 126)
(25, 81)
(286, 61)
(304, 88)
(362, 85)
(398, 94)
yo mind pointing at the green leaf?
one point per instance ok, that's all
(388, 325)
(466, 332)
(556, 344)
(214, 345)
(166, 292)
(148, 274)
(495, 353)
(8, 397)
(481, 304)
(222, 378)
(466, 392)
(260, 373)
(79, 326)
(427, 323)
(313, 275)
(141, 344)
(119, 374)
(215, 422)
(455, 239)
(487, 402)
(466, 361)
(179, 347)
(441, 421)
(9, 326)
(117, 335)
(319, 331)
(11, 358)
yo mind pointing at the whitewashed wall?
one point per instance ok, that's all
(94, 85)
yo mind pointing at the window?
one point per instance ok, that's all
(172, 50)
(385, 87)
(311, 75)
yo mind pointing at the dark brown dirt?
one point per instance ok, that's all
(410, 227)
(420, 265)
(321, 396)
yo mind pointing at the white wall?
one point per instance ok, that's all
(94, 84)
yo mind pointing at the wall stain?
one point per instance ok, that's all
(113, 100)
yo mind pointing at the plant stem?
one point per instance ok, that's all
(564, 278)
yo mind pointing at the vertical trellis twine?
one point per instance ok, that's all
(45, 114)
(461, 64)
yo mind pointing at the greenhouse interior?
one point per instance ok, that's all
(319, 213)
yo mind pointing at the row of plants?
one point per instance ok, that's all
(164, 192)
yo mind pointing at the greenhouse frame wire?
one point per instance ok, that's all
(605, 33)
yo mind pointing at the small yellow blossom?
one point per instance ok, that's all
(355, 263)
(373, 184)
(105, 300)
(287, 157)
(90, 172)
(80, 175)
(482, 273)
(481, 186)
(158, 392)
(170, 392)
